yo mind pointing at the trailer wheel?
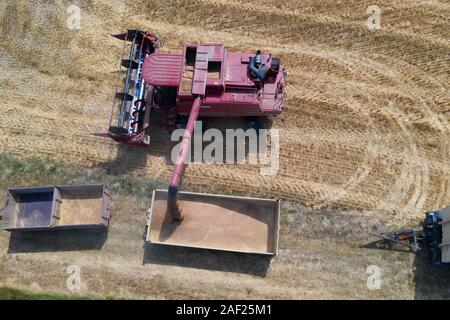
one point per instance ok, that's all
(144, 237)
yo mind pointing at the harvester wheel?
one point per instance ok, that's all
(117, 130)
(254, 123)
(204, 122)
(181, 122)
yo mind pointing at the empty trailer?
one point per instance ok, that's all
(56, 207)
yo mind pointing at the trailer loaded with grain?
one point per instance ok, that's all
(228, 223)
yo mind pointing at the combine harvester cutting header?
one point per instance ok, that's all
(206, 81)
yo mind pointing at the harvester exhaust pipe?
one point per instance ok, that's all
(175, 180)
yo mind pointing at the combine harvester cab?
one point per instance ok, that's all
(57, 207)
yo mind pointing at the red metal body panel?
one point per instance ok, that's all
(175, 180)
(228, 91)
(230, 84)
(163, 69)
(200, 70)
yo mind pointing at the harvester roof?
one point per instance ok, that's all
(198, 67)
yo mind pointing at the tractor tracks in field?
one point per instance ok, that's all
(363, 126)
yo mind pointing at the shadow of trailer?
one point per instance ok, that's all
(57, 207)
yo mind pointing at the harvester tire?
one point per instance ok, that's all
(117, 130)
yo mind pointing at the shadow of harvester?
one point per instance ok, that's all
(129, 158)
(216, 260)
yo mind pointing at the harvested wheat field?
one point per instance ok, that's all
(364, 142)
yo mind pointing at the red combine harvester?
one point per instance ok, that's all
(199, 81)
(202, 80)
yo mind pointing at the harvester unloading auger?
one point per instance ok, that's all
(200, 81)
(175, 180)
